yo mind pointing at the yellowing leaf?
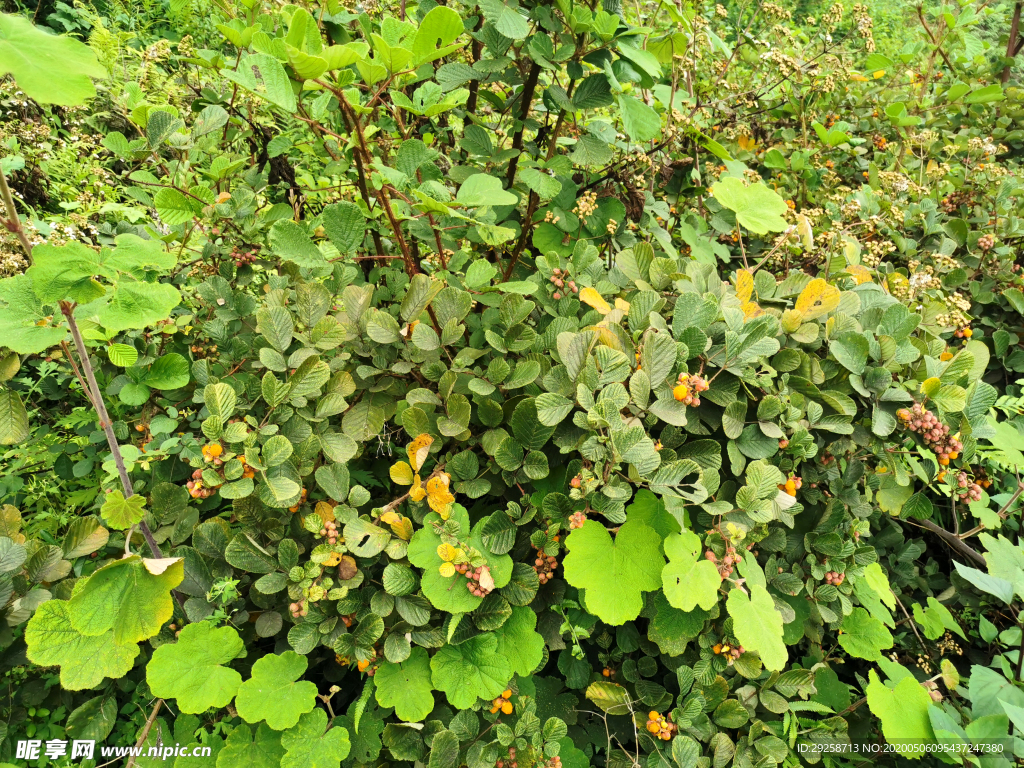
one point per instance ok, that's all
(817, 299)
(486, 580)
(860, 273)
(878, 74)
(806, 232)
(324, 511)
(592, 298)
(402, 473)
(744, 285)
(447, 552)
(390, 517)
(418, 450)
(447, 569)
(439, 497)
(403, 528)
(603, 335)
(751, 310)
(332, 560)
(746, 143)
(622, 305)
(417, 492)
(858, 78)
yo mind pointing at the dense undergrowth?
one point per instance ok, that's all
(512, 384)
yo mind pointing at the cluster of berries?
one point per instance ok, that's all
(510, 762)
(195, 486)
(302, 500)
(881, 143)
(545, 566)
(298, 610)
(561, 280)
(503, 703)
(688, 388)
(368, 666)
(243, 257)
(473, 579)
(933, 432)
(987, 242)
(212, 454)
(207, 352)
(731, 652)
(247, 471)
(330, 530)
(659, 725)
(834, 578)
(951, 203)
(963, 333)
(792, 485)
(727, 564)
(608, 672)
(348, 620)
(576, 520)
(969, 490)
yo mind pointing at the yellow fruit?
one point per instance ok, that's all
(791, 487)
(944, 462)
(215, 450)
(507, 693)
(507, 708)
(653, 727)
(954, 455)
(652, 715)
(681, 392)
(946, 356)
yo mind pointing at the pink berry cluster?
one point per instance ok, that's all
(933, 432)
(561, 280)
(576, 520)
(298, 610)
(244, 257)
(987, 242)
(688, 388)
(969, 490)
(510, 761)
(727, 564)
(195, 486)
(545, 566)
(554, 762)
(835, 578)
(473, 578)
(330, 530)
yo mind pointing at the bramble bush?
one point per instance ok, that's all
(512, 384)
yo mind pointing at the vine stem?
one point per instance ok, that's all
(12, 222)
(145, 730)
(68, 310)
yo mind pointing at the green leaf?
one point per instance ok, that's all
(544, 185)
(246, 749)
(121, 513)
(851, 350)
(138, 305)
(439, 29)
(170, 371)
(173, 207)
(14, 426)
(610, 697)
(132, 596)
(689, 580)
(84, 660)
(309, 744)
(640, 121)
(506, 20)
(24, 325)
(482, 189)
(192, 670)
(289, 242)
(758, 626)
(406, 686)
(264, 76)
(864, 636)
(122, 355)
(345, 224)
(48, 68)
(519, 641)
(757, 208)
(985, 95)
(552, 408)
(471, 670)
(272, 693)
(903, 711)
(615, 574)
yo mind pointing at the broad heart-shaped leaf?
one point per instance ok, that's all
(289, 242)
(614, 574)
(450, 593)
(864, 636)
(758, 626)
(135, 304)
(482, 189)
(439, 28)
(132, 596)
(121, 513)
(757, 208)
(641, 122)
(244, 749)
(25, 326)
(689, 581)
(903, 711)
(48, 68)
(307, 746)
(519, 641)
(406, 686)
(471, 670)
(264, 76)
(84, 661)
(272, 693)
(191, 670)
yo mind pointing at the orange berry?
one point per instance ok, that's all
(652, 715)
(507, 693)
(968, 332)
(215, 449)
(680, 392)
(653, 727)
(507, 708)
